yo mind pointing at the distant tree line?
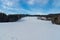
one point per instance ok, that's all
(54, 18)
(11, 17)
(14, 17)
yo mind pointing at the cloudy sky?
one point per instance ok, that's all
(30, 6)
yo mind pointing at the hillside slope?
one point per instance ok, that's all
(29, 28)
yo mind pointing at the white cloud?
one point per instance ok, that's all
(30, 2)
(41, 2)
(9, 3)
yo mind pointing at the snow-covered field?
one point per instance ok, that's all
(29, 28)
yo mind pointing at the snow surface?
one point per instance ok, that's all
(29, 28)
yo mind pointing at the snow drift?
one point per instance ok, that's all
(29, 28)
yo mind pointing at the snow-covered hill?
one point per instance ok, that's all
(29, 28)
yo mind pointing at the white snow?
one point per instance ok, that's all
(29, 28)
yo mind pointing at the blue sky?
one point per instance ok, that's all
(30, 6)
